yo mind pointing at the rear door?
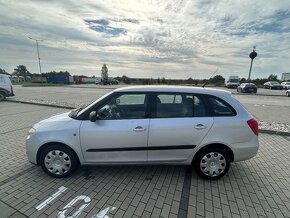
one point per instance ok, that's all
(179, 123)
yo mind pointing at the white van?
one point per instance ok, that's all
(233, 82)
(6, 88)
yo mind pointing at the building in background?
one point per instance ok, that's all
(285, 76)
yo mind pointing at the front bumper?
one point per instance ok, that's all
(32, 146)
(10, 94)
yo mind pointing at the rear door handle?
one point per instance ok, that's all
(200, 126)
(139, 129)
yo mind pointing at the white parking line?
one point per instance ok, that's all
(50, 199)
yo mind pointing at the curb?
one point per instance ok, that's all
(40, 104)
(273, 132)
(266, 131)
(234, 93)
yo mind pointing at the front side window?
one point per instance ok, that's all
(124, 106)
(179, 105)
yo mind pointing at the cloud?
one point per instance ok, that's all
(180, 38)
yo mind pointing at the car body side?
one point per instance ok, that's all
(231, 132)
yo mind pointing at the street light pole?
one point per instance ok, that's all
(252, 55)
(36, 41)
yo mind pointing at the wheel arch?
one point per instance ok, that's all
(54, 143)
(216, 145)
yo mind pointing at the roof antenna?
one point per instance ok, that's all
(210, 77)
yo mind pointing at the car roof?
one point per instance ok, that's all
(165, 88)
(4, 75)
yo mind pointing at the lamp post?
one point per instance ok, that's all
(252, 55)
(36, 41)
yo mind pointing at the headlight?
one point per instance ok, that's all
(31, 131)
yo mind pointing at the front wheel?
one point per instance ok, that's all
(58, 161)
(288, 94)
(212, 163)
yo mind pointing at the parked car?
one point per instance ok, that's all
(247, 87)
(286, 85)
(288, 93)
(205, 127)
(6, 88)
(273, 85)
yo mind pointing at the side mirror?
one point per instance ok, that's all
(93, 116)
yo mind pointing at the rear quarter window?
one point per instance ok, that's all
(220, 107)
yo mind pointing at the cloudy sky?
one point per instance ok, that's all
(147, 38)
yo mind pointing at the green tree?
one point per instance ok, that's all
(163, 81)
(21, 70)
(218, 79)
(243, 80)
(105, 74)
(190, 80)
(273, 77)
(126, 79)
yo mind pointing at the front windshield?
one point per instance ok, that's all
(234, 80)
(91, 104)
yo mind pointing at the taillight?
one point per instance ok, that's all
(253, 124)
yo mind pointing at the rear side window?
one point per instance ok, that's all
(179, 105)
(220, 107)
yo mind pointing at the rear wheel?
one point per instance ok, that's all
(2, 96)
(288, 94)
(58, 161)
(212, 163)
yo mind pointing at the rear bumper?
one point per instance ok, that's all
(250, 90)
(232, 86)
(245, 150)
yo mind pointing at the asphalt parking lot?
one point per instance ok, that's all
(259, 187)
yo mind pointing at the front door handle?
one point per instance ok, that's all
(139, 129)
(200, 126)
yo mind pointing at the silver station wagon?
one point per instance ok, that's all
(207, 128)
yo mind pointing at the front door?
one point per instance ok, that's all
(120, 133)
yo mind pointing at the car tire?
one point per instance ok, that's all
(2, 96)
(58, 161)
(212, 163)
(288, 94)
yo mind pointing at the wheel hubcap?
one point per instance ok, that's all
(213, 164)
(57, 162)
